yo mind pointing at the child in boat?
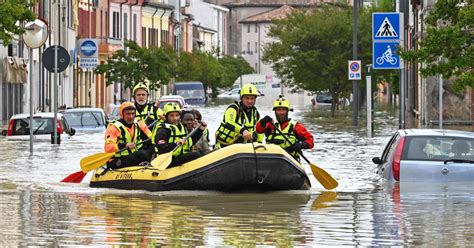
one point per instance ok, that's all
(190, 119)
(172, 132)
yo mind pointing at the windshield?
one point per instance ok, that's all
(438, 148)
(81, 119)
(191, 94)
(40, 126)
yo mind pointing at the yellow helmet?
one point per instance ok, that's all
(141, 86)
(126, 106)
(281, 102)
(171, 107)
(248, 89)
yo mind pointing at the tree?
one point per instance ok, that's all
(234, 68)
(311, 49)
(449, 35)
(155, 66)
(12, 12)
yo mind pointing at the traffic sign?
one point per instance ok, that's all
(48, 58)
(384, 55)
(354, 67)
(386, 26)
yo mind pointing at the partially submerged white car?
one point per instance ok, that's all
(19, 127)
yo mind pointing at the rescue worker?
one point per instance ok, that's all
(146, 112)
(238, 124)
(125, 133)
(294, 131)
(190, 120)
(167, 135)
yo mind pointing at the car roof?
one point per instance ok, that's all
(171, 97)
(35, 115)
(84, 110)
(437, 132)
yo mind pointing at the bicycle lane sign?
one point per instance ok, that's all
(384, 55)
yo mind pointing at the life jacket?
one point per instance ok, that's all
(276, 138)
(176, 132)
(226, 134)
(148, 114)
(126, 138)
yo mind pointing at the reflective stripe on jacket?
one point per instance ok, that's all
(149, 114)
(276, 138)
(235, 119)
(176, 132)
(126, 137)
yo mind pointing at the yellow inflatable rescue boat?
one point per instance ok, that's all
(239, 167)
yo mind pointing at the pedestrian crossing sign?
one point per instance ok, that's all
(386, 26)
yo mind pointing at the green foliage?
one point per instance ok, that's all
(312, 49)
(234, 67)
(11, 12)
(212, 72)
(154, 66)
(449, 35)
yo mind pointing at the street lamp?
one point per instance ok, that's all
(36, 34)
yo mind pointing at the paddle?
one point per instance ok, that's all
(93, 162)
(162, 161)
(320, 174)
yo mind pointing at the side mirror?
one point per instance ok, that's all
(376, 160)
(4, 133)
(72, 131)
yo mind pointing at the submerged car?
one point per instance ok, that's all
(171, 98)
(86, 119)
(428, 155)
(235, 94)
(19, 127)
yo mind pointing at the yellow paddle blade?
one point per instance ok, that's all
(162, 161)
(95, 161)
(323, 177)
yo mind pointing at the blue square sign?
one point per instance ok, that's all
(386, 26)
(384, 57)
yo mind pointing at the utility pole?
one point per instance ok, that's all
(355, 83)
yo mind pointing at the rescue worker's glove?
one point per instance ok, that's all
(298, 146)
(265, 120)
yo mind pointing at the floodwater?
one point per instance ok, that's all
(37, 210)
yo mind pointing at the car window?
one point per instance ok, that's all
(40, 126)
(439, 148)
(81, 119)
(73, 118)
(390, 148)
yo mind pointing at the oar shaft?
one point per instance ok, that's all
(287, 140)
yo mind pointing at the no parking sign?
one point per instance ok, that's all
(354, 70)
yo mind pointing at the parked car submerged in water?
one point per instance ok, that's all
(86, 119)
(428, 155)
(19, 127)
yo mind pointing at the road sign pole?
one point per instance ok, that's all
(369, 102)
(355, 83)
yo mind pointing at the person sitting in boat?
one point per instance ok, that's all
(190, 120)
(299, 137)
(146, 112)
(238, 124)
(171, 133)
(125, 133)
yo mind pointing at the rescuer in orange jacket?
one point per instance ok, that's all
(125, 133)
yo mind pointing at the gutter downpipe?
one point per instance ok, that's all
(153, 20)
(131, 20)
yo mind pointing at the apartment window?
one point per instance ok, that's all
(135, 27)
(248, 28)
(248, 47)
(256, 27)
(144, 37)
(115, 25)
(125, 26)
(256, 46)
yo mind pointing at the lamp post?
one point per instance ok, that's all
(36, 34)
